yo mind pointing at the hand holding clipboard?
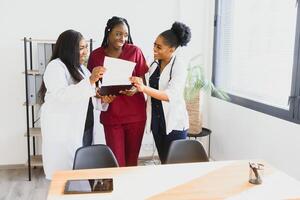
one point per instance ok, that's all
(116, 78)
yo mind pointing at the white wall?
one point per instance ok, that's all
(238, 133)
(241, 133)
(47, 19)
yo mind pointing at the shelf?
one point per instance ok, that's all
(36, 132)
(31, 104)
(39, 40)
(47, 40)
(33, 72)
(36, 161)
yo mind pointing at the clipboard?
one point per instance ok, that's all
(116, 77)
(113, 89)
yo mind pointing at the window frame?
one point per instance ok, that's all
(293, 113)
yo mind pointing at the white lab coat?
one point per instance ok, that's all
(63, 116)
(175, 113)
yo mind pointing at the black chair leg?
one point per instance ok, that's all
(209, 146)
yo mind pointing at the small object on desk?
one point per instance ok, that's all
(256, 172)
(82, 186)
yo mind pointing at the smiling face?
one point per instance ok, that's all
(83, 50)
(161, 50)
(118, 36)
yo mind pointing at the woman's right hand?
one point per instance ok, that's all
(97, 73)
(105, 99)
(108, 99)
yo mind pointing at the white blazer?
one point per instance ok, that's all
(175, 112)
(63, 116)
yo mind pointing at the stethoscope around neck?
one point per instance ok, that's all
(158, 63)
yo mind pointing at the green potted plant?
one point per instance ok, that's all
(196, 82)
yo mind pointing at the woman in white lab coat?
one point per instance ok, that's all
(65, 93)
(167, 116)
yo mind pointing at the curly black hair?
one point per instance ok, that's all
(179, 35)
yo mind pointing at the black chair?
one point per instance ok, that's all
(95, 156)
(185, 151)
(204, 132)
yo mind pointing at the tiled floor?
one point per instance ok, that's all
(149, 161)
(14, 185)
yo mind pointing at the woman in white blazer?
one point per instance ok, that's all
(167, 116)
(65, 93)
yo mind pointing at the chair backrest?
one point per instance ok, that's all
(95, 156)
(185, 151)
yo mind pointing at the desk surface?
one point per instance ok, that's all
(211, 180)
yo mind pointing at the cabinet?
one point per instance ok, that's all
(37, 54)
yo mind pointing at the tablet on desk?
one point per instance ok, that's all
(84, 186)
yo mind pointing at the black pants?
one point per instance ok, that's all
(162, 140)
(89, 125)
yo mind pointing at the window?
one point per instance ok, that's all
(256, 55)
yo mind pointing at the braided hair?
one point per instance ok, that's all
(111, 23)
(178, 35)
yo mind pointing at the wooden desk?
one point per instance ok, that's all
(211, 180)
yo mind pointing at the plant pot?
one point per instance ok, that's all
(195, 116)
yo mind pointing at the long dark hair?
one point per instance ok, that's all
(111, 23)
(67, 50)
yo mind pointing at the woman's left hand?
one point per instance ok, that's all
(130, 92)
(138, 83)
